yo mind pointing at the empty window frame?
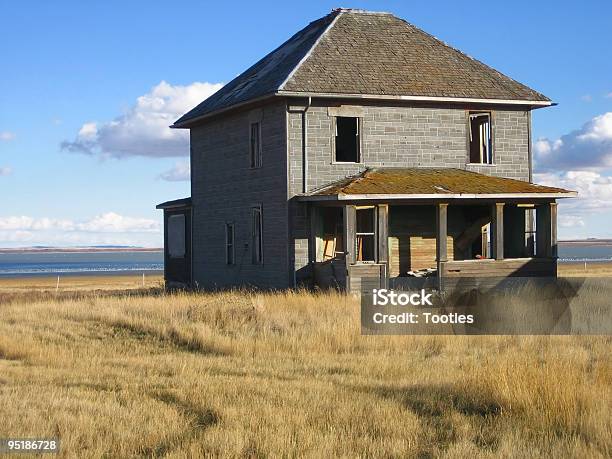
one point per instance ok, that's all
(346, 139)
(365, 234)
(255, 145)
(176, 236)
(257, 235)
(481, 138)
(230, 250)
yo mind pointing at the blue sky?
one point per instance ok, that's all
(102, 78)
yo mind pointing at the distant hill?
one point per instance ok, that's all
(588, 241)
(94, 248)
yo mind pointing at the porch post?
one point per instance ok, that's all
(349, 234)
(312, 235)
(544, 230)
(497, 231)
(383, 250)
(349, 241)
(553, 230)
(383, 222)
(441, 232)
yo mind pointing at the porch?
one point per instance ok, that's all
(364, 241)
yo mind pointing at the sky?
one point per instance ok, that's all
(88, 90)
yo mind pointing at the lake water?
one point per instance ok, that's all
(54, 263)
(585, 252)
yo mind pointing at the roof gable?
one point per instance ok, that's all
(378, 53)
(353, 52)
(264, 77)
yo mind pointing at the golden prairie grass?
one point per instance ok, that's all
(248, 374)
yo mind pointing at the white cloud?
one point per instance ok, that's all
(609, 95)
(594, 190)
(106, 229)
(589, 147)
(571, 221)
(109, 222)
(7, 135)
(586, 98)
(179, 173)
(144, 129)
(59, 239)
(5, 171)
(114, 223)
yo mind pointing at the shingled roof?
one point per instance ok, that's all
(355, 53)
(431, 183)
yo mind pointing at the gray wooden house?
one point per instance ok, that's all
(362, 147)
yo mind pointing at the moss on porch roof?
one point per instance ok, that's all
(429, 181)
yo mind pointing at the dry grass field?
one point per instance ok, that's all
(243, 374)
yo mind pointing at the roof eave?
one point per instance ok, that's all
(183, 203)
(521, 102)
(190, 122)
(534, 104)
(437, 197)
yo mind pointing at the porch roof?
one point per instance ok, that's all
(431, 183)
(175, 204)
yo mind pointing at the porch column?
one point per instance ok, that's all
(383, 249)
(383, 222)
(546, 230)
(497, 231)
(553, 230)
(312, 235)
(441, 232)
(349, 234)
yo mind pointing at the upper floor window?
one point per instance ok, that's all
(257, 236)
(255, 145)
(346, 139)
(480, 138)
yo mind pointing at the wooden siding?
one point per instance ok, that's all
(362, 278)
(518, 267)
(414, 252)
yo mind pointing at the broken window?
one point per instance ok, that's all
(230, 253)
(329, 227)
(347, 139)
(255, 145)
(480, 138)
(257, 236)
(176, 236)
(365, 234)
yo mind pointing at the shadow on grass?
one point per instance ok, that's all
(436, 406)
(199, 418)
(171, 336)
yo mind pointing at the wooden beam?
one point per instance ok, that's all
(349, 234)
(383, 247)
(441, 234)
(553, 230)
(313, 214)
(497, 231)
(383, 233)
(441, 231)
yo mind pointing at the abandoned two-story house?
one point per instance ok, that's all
(362, 147)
